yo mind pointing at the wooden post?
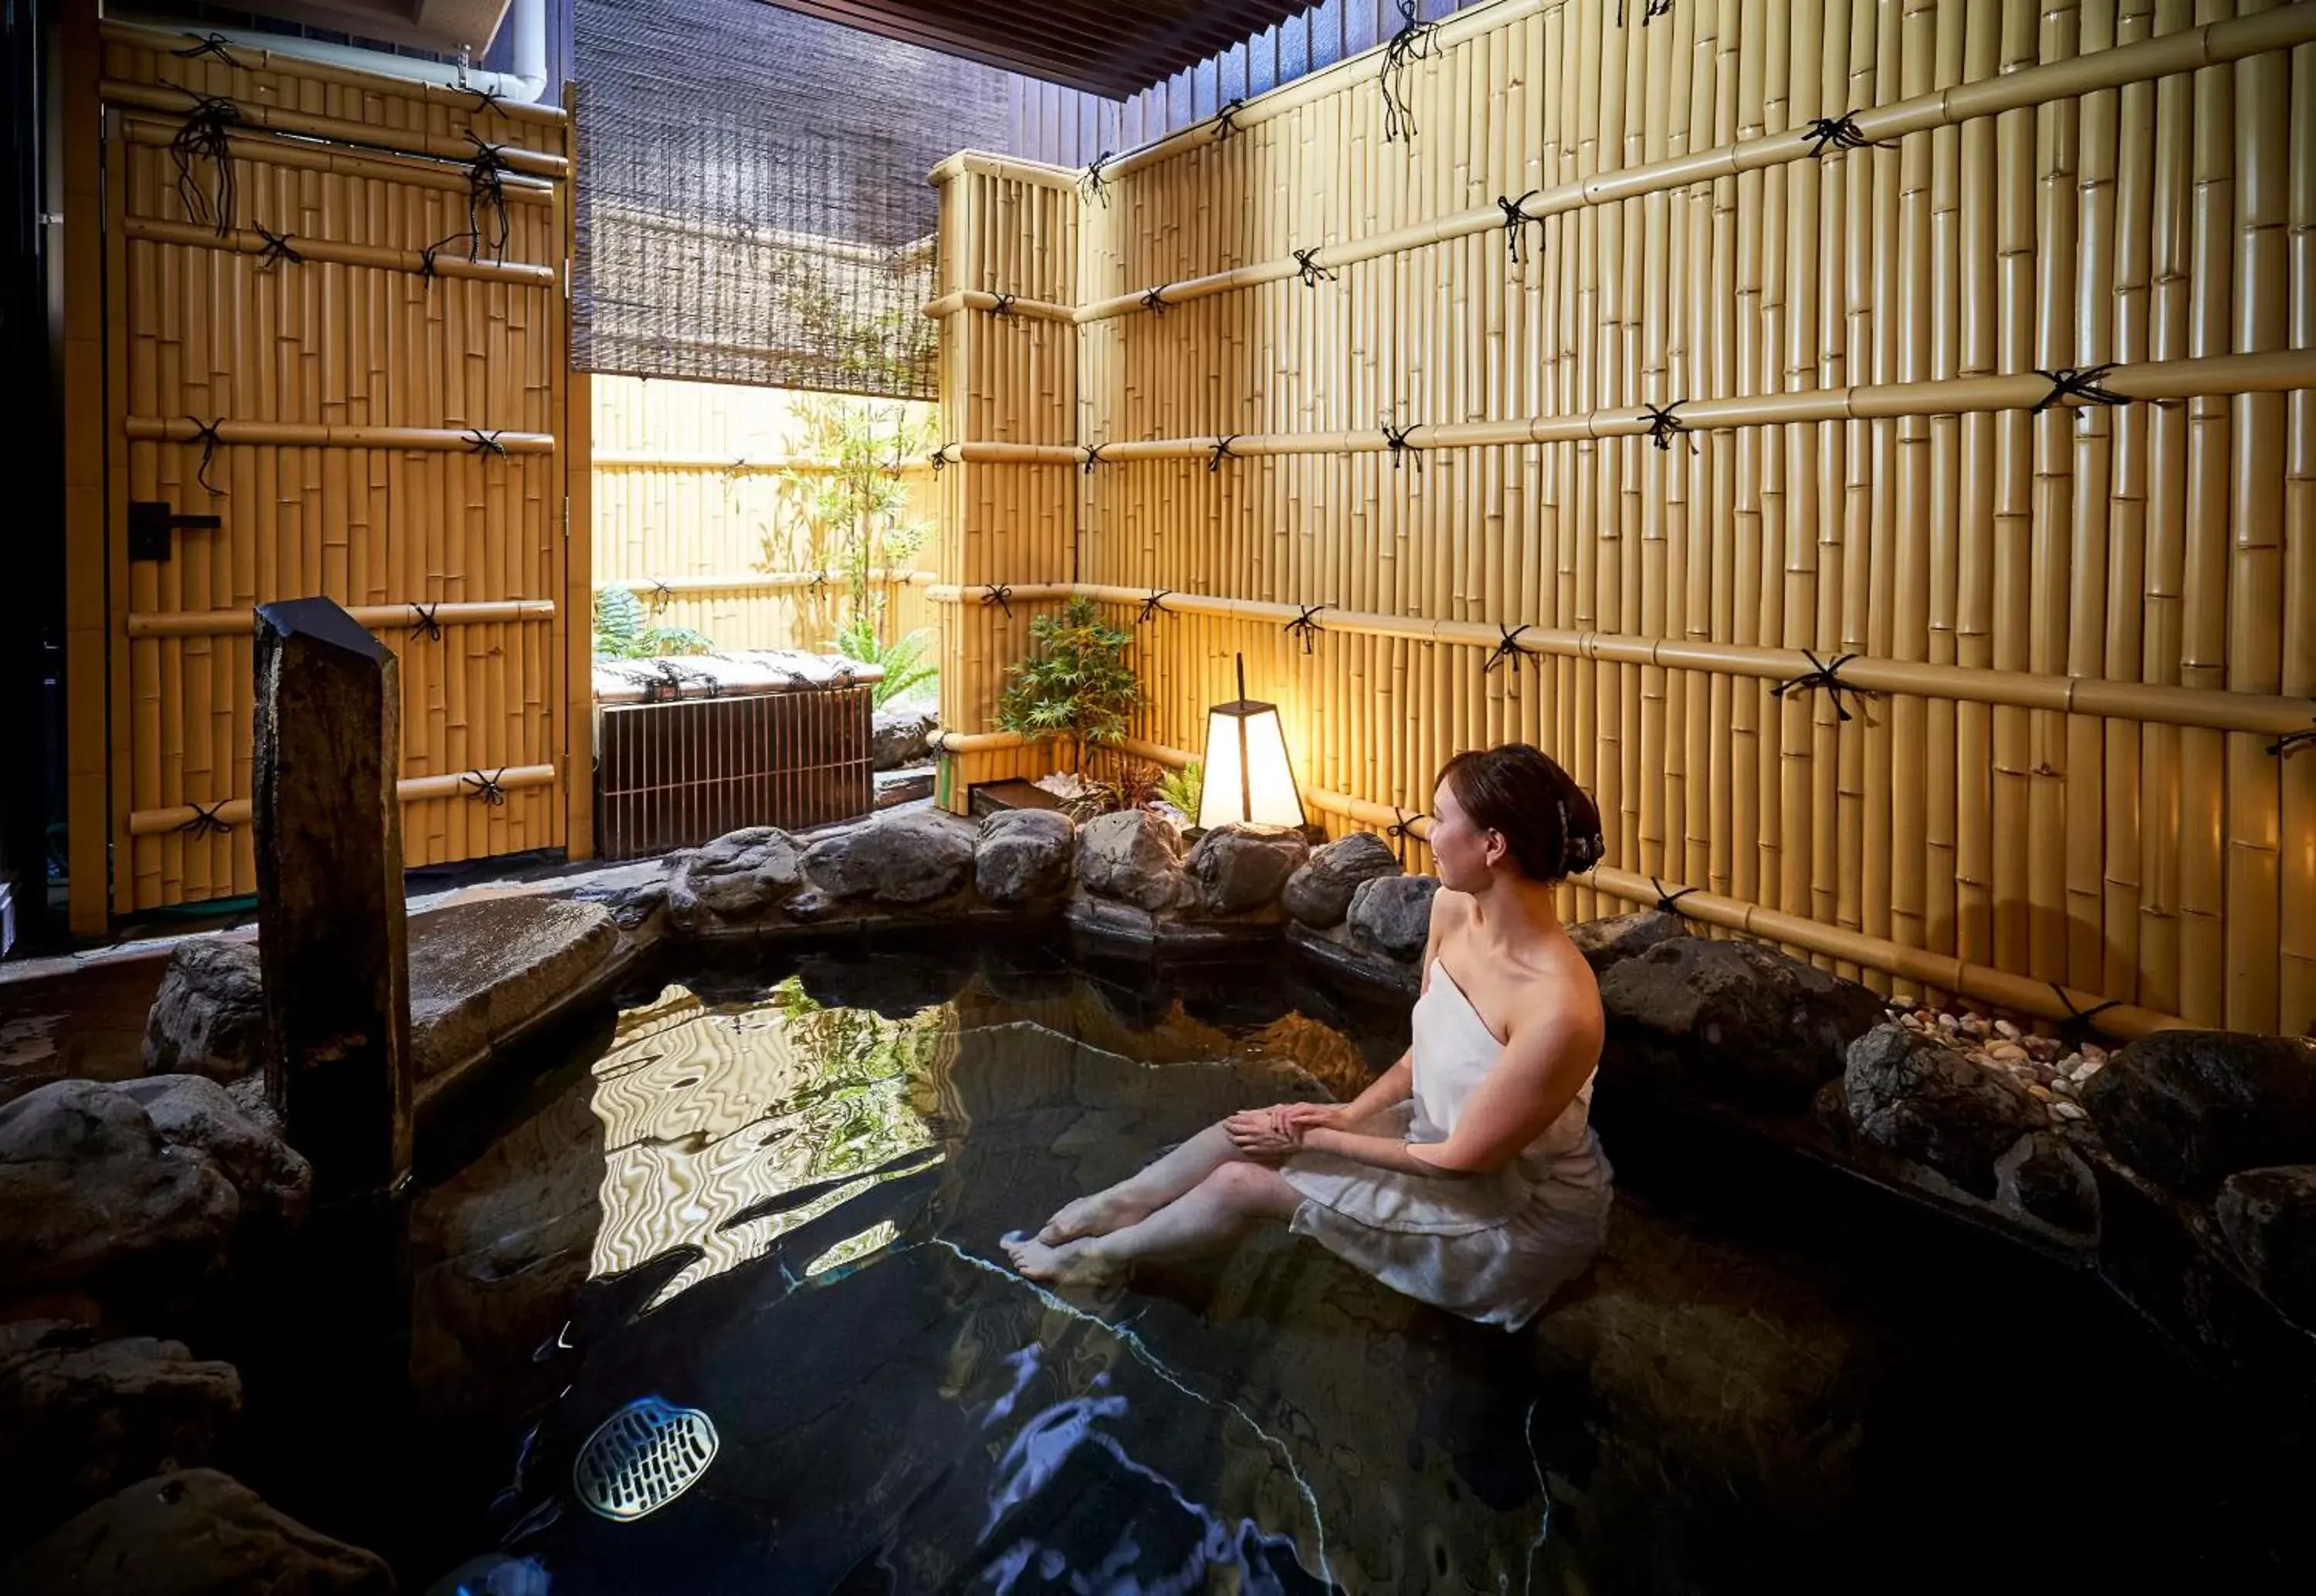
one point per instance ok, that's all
(331, 928)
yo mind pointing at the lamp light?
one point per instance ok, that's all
(1247, 776)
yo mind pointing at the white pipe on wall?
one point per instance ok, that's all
(526, 22)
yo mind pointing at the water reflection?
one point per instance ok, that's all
(800, 1205)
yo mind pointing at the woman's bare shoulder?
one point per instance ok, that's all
(1563, 995)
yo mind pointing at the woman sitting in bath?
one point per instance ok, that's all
(1467, 1176)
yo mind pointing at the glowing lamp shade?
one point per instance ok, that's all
(1247, 777)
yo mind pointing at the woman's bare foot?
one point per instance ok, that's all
(1097, 1215)
(1074, 1264)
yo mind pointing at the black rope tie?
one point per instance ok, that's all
(486, 190)
(1308, 267)
(1092, 457)
(818, 585)
(205, 433)
(1664, 426)
(205, 822)
(2292, 740)
(1402, 828)
(204, 137)
(2077, 382)
(1091, 184)
(426, 622)
(1226, 119)
(426, 256)
(1650, 13)
(1220, 451)
(1836, 133)
(1516, 220)
(939, 457)
(1304, 625)
(1155, 300)
(1826, 675)
(661, 592)
(1669, 903)
(843, 676)
(278, 248)
(1507, 651)
(1395, 440)
(486, 787)
(485, 443)
(1004, 306)
(485, 99)
(998, 594)
(213, 45)
(2077, 1028)
(1411, 43)
(1154, 605)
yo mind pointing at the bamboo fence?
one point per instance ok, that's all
(295, 329)
(1871, 446)
(702, 496)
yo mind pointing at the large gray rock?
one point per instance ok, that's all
(631, 894)
(2188, 1108)
(1130, 857)
(480, 971)
(1236, 868)
(196, 1533)
(209, 1017)
(94, 1197)
(192, 1111)
(2269, 1216)
(1391, 915)
(739, 877)
(79, 1419)
(1024, 855)
(903, 858)
(1744, 1019)
(1320, 893)
(1617, 937)
(897, 738)
(2043, 1178)
(1911, 1094)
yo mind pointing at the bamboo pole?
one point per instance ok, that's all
(323, 435)
(296, 155)
(2274, 371)
(2262, 714)
(449, 262)
(411, 789)
(377, 617)
(170, 99)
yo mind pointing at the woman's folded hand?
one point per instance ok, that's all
(1262, 1135)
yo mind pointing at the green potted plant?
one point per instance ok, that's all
(1075, 683)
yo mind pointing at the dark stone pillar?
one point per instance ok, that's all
(332, 945)
(331, 929)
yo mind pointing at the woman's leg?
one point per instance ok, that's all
(1144, 1193)
(1207, 1216)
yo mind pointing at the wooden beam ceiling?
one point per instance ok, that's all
(1111, 48)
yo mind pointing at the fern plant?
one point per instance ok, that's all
(620, 632)
(903, 660)
(1184, 788)
(1075, 683)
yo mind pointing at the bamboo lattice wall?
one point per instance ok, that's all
(1700, 371)
(283, 322)
(706, 487)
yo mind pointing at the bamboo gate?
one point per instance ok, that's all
(328, 308)
(1871, 445)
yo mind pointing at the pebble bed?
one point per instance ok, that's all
(2053, 1071)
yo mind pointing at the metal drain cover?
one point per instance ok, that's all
(642, 1458)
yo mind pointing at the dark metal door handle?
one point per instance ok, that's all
(150, 522)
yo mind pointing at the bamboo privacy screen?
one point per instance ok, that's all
(701, 498)
(331, 316)
(1009, 382)
(1643, 365)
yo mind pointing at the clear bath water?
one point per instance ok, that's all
(787, 1183)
